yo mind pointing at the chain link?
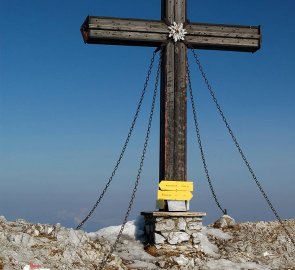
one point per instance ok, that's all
(200, 141)
(104, 261)
(126, 141)
(239, 147)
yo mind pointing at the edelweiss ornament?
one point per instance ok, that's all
(177, 32)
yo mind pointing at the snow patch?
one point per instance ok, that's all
(216, 233)
(133, 229)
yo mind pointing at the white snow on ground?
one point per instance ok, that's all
(130, 247)
(133, 229)
(216, 233)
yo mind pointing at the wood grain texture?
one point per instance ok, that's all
(168, 11)
(180, 114)
(135, 32)
(180, 11)
(110, 23)
(167, 124)
(125, 38)
(225, 44)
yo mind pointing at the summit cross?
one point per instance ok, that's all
(173, 95)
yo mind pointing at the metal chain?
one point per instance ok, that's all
(126, 141)
(239, 147)
(200, 141)
(104, 261)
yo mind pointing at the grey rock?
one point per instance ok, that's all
(224, 222)
(181, 260)
(197, 238)
(178, 237)
(49, 230)
(162, 264)
(165, 234)
(195, 226)
(181, 224)
(165, 225)
(159, 239)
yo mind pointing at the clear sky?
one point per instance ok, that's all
(65, 110)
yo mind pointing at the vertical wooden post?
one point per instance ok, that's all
(173, 99)
(180, 89)
(180, 96)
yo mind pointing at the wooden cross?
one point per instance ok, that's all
(116, 31)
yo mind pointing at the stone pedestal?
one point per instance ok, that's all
(172, 228)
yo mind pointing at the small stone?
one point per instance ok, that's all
(162, 264)
(36, 232)
(178, 237)
(181, 224)
(50, 230)
(197, 238)
(194, 226)
(159, 239)
(181, 260)
(224, 222)
(165, 234)
(249, 249)
(196, 241)
(157, 246)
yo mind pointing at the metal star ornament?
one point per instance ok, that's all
(177, 32)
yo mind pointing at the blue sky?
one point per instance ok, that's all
(65, 109)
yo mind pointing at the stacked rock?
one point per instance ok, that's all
(173, 228)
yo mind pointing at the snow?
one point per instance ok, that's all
(131, 245)
(133, 229)
(216, 233)
(206, 246)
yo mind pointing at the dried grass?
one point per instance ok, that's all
(1, 264)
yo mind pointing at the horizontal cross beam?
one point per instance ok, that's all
(103, 30)
(107, 30)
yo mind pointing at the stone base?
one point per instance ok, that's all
(172, 228)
